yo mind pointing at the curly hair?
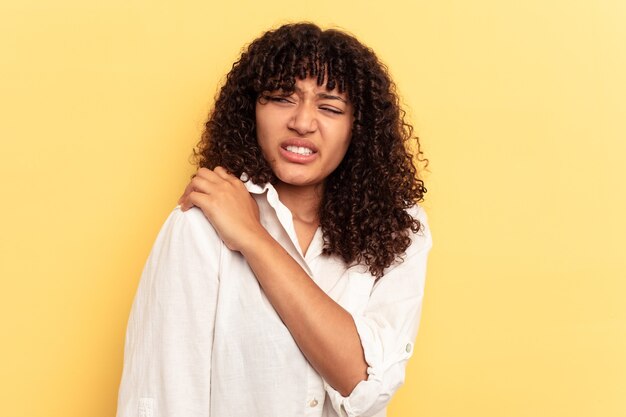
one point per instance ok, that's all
(363, 210)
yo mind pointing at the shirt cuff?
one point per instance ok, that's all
(385, 374)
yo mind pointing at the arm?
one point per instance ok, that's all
(361, 356)
(323, 330)
(387, 327)
(169, 337)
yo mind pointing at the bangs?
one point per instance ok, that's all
(280, 69)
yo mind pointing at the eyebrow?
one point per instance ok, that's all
(325, 95)
(330, 97)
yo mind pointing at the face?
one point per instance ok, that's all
(305, 135)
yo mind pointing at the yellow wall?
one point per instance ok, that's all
(521, 108)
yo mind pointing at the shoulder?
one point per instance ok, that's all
(417, 212)
(422, 239)
(189, 228)
(410, 267)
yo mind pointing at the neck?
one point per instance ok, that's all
(302, 201)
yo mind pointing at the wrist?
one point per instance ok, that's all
(254, 240)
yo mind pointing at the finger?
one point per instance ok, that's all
(202, 171)
(223, 174)
(202, 185)
(199, 184)
(208, 175)
(182, 202)
(184, 194)
(187, 190)
(189, 186)
(188, 202)
(197, 199)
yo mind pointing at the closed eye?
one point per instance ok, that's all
(278, 99)
(331, 110)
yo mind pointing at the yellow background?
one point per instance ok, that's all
(521, 107)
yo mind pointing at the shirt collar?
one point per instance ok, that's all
(252, 187)
(284, 216)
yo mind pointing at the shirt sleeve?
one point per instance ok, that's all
(387, 328)
(169, 337)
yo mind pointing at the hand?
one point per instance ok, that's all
(226, 203)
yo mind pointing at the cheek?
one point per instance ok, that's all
(261, 116)
(264, 145)
(261, 131)
(346, 137)
(269, 123)
(263, 138)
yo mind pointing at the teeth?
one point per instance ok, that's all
(299, 150)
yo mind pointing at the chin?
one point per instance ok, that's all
(298, 180)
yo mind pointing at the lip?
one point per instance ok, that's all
(297, 158)
(299, 142)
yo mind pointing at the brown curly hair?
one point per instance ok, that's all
(363, 210)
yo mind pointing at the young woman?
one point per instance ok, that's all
(289, 280)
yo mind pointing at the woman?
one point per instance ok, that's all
(289, 279)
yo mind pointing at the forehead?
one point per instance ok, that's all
(275, 74)
(309, 84)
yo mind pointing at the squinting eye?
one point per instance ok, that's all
(331, 110)
(278, 99)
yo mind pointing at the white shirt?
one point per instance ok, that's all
(204, 341)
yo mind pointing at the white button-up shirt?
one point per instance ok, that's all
(204, 341)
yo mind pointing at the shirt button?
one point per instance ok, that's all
(313, 403)
(408, 348)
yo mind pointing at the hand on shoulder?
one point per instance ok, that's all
(226, 203)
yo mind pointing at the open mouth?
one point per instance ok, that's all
(299, 150)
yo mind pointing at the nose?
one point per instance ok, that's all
(304, 119)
